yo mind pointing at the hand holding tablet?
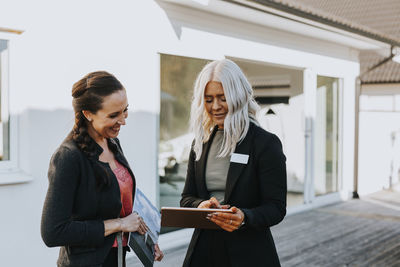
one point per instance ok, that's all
(189, 217)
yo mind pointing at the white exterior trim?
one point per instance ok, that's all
(309, 90)
(281, 20)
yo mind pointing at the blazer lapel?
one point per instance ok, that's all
(201, 167)
(235, 169)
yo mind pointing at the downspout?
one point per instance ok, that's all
(357, 116)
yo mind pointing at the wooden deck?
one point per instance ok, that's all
(362, 232)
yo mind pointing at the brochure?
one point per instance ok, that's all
(143, 245)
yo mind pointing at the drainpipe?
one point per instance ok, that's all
(357, 116)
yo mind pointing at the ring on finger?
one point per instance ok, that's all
(230, 222)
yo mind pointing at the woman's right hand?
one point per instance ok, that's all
(212, 203)
(133, 223)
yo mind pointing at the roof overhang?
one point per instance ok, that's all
(320, 16)
(256, 13)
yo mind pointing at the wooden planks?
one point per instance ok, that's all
(352, 233)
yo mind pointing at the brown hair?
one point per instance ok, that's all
(88, 94)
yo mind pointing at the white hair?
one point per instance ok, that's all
(242, 107)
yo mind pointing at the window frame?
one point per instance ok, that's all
(10, 172)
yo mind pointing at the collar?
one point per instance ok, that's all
(112, 144)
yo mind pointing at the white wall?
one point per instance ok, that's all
(379, 153)
(63, 40)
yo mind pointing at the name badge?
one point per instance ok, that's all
(239, 158)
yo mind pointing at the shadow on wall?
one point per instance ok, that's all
(42, 131)
(139, 140)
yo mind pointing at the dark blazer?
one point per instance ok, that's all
(258, 188)
(74, 209)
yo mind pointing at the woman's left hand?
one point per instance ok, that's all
(158, 254)
(228, 221)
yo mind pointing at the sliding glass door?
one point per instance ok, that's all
(326, 146)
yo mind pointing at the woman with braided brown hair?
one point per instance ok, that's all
(91, 186)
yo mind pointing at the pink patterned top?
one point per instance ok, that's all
(125, 186)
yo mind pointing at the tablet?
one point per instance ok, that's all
(188, 217)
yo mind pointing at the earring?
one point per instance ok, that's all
(90, 119)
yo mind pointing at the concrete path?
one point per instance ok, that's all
(362, 232)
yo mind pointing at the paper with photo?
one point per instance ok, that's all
(149, 213)
(143, 245)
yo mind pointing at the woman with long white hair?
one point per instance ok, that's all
(233, 164)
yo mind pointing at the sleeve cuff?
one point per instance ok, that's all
(196, 203)
(95, 232)
(248, 216)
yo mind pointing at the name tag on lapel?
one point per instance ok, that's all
(239, 158)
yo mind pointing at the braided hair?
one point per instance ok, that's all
(88, 94)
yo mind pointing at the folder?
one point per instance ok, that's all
(188, 217)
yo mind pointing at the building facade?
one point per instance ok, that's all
(303, 75)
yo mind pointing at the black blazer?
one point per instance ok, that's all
(258, 188)
(74, 209)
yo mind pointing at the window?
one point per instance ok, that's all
(279, 92)
(4, 112)
(178, 75)
(10, 171)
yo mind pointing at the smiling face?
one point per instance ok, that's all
(215, 103)
(107, 121)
